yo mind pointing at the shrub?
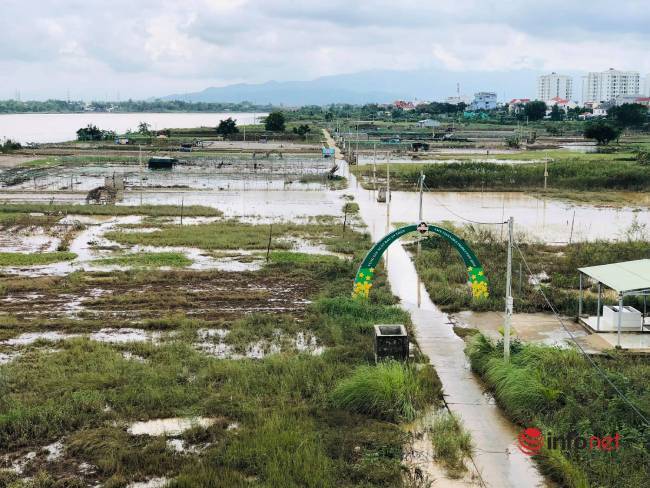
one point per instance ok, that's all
(391, 391)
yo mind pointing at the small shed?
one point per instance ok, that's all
(629, 278)
(162, 162)
(391, 342)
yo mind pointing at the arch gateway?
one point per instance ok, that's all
(475, 273)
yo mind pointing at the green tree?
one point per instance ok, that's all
(535, 110)
(629, 114)
(144, 128)
(275, 122)
(302, 130)
(9, 146)
(227, 127)
(603, 132)
(556, 113)
(89, 133)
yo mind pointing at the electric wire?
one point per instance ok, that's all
(584, 353)
(456, 214)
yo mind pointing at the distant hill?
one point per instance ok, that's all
(379, 86)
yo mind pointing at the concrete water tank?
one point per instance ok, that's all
(391, 342)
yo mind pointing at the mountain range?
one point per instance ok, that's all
(378, 86)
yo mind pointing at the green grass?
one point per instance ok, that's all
(232, 234)
(558, 391)
(588, 172)
(34, 259)
(148, 260)
(452, 444)
(389, 390)
(151, 210)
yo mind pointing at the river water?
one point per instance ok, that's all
(43, 128)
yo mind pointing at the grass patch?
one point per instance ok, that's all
(558, 391)
(148, 260)
(452, 444)
(389, 390)
(232, 234)
(34, 259)
(584, 172)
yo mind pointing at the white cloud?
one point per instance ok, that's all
(151, 47)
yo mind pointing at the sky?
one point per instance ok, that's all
(96, 49)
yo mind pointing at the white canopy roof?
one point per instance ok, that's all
(625, 277)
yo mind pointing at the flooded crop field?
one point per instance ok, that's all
(195, 323)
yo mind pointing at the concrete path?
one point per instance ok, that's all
(499, 461)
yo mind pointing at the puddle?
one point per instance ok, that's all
(7, 357)
(212, 344)
(540, 328)
(152, 483)
(54, 451)
(19, 465)
(120, 336)
(169, 427)
(308, 345)
(133, 357)
(108, 335)
(28, 338)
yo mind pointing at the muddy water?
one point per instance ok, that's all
(497, 457)
(537, 218)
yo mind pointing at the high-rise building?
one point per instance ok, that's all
(484, 101)
(646, 88)
(554, 85)
(607, 85)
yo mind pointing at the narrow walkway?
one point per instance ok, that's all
(497, 457)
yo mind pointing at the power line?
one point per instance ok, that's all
(589, 358)
(458, 215)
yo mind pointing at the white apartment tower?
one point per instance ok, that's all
(554, 85)
(607, 85)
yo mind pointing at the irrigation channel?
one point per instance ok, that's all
(497, 458)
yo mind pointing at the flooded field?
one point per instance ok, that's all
(206, 317)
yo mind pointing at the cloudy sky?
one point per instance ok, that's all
(140, 48)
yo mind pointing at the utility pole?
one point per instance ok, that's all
(140, 170)
(419, 243)
(374, 172)
(387, 193)
(508, 321)
(545, 171)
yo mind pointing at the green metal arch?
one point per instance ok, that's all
(475, 272)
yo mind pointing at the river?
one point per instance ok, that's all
(42, 128)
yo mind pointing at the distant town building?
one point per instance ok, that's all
(646, 86)
(484, 101)
(643, 101)
(554, 85)
(517, 105)
(458, 99)
(403, 105)
(561, 103)
(427, 123)
(607, 85)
